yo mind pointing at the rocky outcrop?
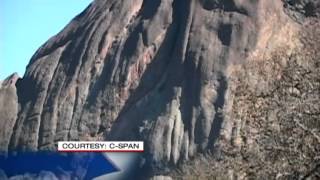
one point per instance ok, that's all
(274, 119)
(8, 110)
(299, 10)
(151, 70)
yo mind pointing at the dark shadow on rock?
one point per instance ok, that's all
(224, 34)
(218, 106)
(150, 8)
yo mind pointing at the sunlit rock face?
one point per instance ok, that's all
(151, 70)
(8, 110)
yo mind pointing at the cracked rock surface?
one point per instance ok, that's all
(151, 70)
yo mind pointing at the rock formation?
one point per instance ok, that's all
(154, 70)
(8, 110)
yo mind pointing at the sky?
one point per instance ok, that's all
(26, 24)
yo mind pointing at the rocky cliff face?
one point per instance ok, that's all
(154, 70)
(8, 110)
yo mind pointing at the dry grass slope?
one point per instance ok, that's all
(277, 110)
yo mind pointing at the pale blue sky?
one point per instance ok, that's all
(26, 24)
